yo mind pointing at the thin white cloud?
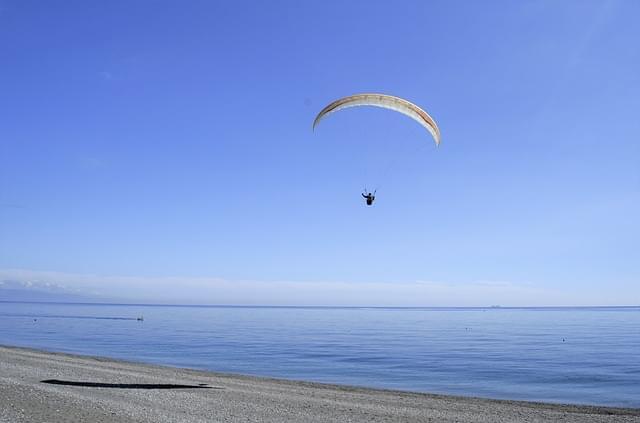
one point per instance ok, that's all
(190, 290)
(602, 16)
(106, 75)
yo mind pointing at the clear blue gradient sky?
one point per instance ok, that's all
(162, 150)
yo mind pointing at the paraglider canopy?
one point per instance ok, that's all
(386, 102)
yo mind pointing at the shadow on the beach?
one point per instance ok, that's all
(127, 385)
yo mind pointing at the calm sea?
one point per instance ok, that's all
(566, 355)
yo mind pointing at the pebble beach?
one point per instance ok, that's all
(38, 386)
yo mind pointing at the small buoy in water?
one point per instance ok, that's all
(562, 339)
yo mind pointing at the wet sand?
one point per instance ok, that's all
(37, 386)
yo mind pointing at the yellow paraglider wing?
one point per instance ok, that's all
(386, 102)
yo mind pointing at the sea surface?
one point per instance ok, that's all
(561, 355)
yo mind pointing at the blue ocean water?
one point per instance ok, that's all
(563, 355)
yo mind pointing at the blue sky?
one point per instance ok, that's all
(162, 150)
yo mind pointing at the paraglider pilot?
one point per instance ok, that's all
(369, 197)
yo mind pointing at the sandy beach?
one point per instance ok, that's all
(38, 386)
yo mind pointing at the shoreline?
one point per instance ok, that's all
(38, 386)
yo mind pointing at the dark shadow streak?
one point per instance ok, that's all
(54, 316)
(127, 385)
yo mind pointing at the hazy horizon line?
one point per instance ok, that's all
(150, 304)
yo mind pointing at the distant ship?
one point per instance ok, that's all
(496, 306)
(140, 319)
